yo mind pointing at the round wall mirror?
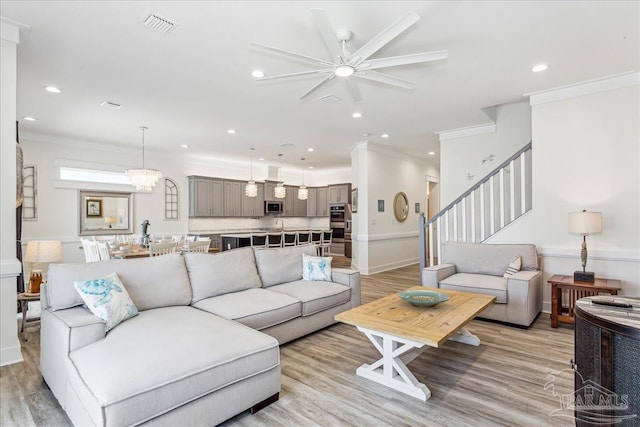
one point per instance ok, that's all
(401, 207)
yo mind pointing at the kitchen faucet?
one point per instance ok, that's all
(281, 223)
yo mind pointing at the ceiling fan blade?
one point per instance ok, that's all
(385, 78)
(353, 89)
(301, 73)
(394, 61)
(329, 37)
(317, 85)
(388, 34)
(315, 61)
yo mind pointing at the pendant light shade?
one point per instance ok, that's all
(303, 193)
(251, 189)
(143, 179)
(279, 191)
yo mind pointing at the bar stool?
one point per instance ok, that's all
(289, 238)
(304, 237)
(316, 239)
(259, 240)
(325, 243)
(274, 240)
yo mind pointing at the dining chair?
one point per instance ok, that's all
(177, 238)
(156, 249)
(304, 237)
(90, 247)
(259, 240)
(109, 238)
(289, 238)
(103, 250)
(274, 240)
(325, 244)
(132, 240)
(202, 238)
(191, 238)
(201, 246)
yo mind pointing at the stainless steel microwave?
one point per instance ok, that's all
(272, 207)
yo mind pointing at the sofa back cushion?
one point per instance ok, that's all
(281, 265)
(223, 273)
(151, 282)
(489, 259)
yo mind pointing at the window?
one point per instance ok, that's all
(92, 175)
(29, 206)
(170, 199)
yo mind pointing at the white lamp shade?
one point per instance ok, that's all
(585, 222)
(43, 251)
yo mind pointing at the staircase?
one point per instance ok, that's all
(491, 204)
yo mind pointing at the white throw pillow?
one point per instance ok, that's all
(514, 266)
(107, 298)
(316, 268)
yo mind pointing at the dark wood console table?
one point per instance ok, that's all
(576, 290)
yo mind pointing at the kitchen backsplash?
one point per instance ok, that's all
(223, 224)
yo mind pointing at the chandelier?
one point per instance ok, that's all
(303, 193)
(251, 189)
(279, 191)
(143, 179)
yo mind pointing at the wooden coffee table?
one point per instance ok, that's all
(400, 331)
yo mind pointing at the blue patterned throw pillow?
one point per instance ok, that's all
(107, 298)
(316, 268)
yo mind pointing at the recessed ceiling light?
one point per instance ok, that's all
(231, 131)
(431, 153)
(184, 146)
(52, 89)
(385, 135)
(356, 115)
(30, 119)
(258, 74)
(344, 71)
(309, 149)
(539, 67)
(366, 134)
(261, 158)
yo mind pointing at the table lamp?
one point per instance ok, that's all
(584, 223)
(39, 252)
(110, 220)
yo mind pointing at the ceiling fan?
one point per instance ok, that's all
(346, 65)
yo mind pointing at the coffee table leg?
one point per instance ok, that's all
(465, 337)
(391, 369)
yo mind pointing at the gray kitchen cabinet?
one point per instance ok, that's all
(205, 197)
(322, 201)
(299, 206)
(289, 201)
(253, 206)
(339, 193)
(269, 189)
(311, 202)
(233, 192)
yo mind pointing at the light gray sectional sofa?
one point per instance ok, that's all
(479, 268)
(204, 346)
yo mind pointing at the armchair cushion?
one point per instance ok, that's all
(478, 284)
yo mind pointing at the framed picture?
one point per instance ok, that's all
(94, 208)
(380, 205)
(354, 200)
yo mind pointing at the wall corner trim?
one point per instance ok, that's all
(10, 355)
(589, 87)
(10, 267)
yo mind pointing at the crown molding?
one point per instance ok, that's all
(466, 131)
(589, 87)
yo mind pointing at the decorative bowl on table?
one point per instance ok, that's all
(423, 298)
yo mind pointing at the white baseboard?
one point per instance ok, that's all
(11, 355)
(387, 267)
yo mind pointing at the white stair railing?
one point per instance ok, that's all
(483, 210)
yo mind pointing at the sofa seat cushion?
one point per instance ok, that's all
(479, 284)
(315, 296)
(162, 359)
(255, 308)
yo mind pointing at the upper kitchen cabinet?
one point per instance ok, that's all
(288, 204)
(299, 206)
(233, 193)
(206, 197)
(339, 193)
(253, 206)
(311, 202)
(322, 201)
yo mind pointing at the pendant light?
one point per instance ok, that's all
(143, 179)
(279, 192)
(303, 193)
(251, 189)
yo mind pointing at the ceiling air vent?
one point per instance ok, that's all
(159, 23)
(112, 105)
(330, 99)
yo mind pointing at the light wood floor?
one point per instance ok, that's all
(499, 383)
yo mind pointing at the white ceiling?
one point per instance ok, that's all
(189, 86)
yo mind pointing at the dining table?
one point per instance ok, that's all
(140, 252)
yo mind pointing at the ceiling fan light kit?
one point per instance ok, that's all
(349, 66)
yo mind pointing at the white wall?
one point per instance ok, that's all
(461, 156)
(586, 155)
(9, 266)
(380, 241)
